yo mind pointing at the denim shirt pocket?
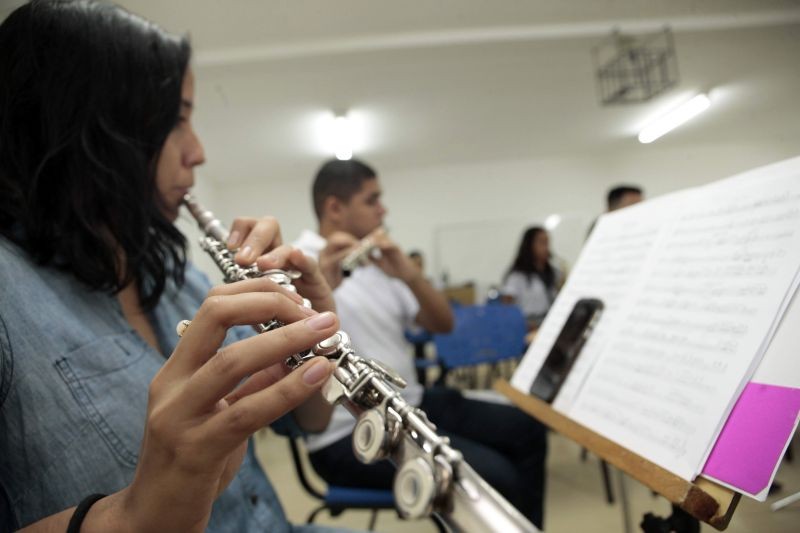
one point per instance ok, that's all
(109, 379)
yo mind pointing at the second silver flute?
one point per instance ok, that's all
(361, 255)
(431, 475)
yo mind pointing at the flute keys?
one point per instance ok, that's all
(336, 345)
(371, 440)
(415, 488)
(387, 373)
(182, 326)
(281, 277)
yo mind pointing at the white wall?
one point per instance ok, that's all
(473, 143)
(467, 219)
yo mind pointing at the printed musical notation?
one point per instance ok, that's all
(693, 284)
(604, 271)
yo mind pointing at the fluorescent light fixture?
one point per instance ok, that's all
(342, 138)
(674, 118)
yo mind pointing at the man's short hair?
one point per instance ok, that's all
(341, 179)
(615, 194)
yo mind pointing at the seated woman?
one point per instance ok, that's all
(533, 281)
(107, 421)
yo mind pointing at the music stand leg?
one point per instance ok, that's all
(624, 503)
(784, 502)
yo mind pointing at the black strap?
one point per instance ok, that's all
(80, 512)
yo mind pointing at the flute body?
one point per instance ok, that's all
(432, 476)
(360, 256)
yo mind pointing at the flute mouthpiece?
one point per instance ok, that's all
(205, 219)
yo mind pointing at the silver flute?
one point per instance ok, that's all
(432, 476)
(360, 255)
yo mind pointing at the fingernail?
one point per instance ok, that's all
(321, 321)
(316, 372)
(233, 239)
(307, 310)
(246, 252)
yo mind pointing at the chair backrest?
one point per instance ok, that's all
(301, 471)
(482, 334)
(418, 336)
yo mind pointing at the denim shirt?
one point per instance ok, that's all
(74, 380)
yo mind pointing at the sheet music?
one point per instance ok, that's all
(696, 322)
(690, 308)
(751, 460)
(614, 255)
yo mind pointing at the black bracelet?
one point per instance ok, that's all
(80, 512)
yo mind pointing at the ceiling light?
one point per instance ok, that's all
(342, 138)
(552, 222)
(674, 118)
(343, 135)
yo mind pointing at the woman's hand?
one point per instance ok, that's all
(311, 284)
(206, 401)
(258, 240)
(252, 237)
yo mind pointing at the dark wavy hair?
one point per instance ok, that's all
(524, 261)
(89, 94)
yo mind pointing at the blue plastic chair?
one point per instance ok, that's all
(339, 499)
(419, 338)
(482, 334)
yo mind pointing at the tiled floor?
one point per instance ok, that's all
(575, 500)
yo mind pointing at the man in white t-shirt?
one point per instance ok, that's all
(375, 304)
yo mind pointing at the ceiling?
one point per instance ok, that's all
(219, 26)
(466, 80)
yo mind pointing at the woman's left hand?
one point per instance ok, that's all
(258, 240)
(311, 284)
(253, 237)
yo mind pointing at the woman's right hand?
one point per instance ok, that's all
(206, 401)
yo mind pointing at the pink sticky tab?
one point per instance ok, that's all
(751, 443)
